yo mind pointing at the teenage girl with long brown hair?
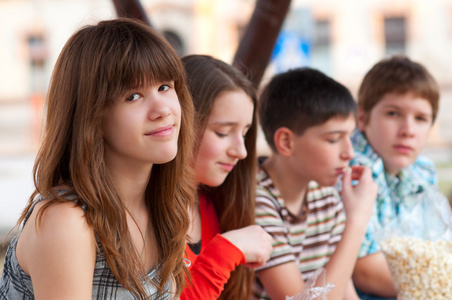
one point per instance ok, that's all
(109, 215)
(222, 237)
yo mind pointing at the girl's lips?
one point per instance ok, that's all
(162, 131)
(227, 167)
(403, 149)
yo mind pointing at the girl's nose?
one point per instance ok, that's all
(158, 109)
(238, 148)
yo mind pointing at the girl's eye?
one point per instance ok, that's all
(245, 133)
(133, 97)
(219, 134)
(331, 141)
(164, 88)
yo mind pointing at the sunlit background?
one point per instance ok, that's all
(341, 38)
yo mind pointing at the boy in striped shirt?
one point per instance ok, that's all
(307, 119)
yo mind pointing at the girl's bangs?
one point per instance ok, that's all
(150, 62)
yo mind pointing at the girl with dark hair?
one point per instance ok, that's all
(222, 236)
(110, 212)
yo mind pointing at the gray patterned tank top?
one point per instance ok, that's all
(16, 284)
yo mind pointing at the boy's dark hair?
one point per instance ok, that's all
(299, 99)
(397, 74)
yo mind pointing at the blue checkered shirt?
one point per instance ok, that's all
(392, 190)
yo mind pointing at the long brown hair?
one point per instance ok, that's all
(97, 65)
(207, 77)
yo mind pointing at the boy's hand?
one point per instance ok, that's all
(254, 242)
(358, 199)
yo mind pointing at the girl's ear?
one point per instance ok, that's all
(283, 139)
(362, 119)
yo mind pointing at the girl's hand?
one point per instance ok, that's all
(254, 242)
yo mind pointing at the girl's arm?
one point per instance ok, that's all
(60, 255)
(212, 269)
(250, 245)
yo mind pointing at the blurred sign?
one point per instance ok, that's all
(294, 43)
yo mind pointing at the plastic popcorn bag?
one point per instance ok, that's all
(313, 292)
(418, 248)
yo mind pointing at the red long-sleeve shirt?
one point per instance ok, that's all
(211, 269)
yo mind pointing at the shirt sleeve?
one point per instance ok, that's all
(212, 269)
(268, 216)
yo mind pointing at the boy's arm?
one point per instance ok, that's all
(358, 203)
(285, 279)
(282, 280)
(372, 276)
(350, 293)
(280, 277)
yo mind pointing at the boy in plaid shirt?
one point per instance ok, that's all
(397, 105)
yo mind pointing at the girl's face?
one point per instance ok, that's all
(143, 125)
(223, 141)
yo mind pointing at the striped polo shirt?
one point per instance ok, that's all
(308, 239)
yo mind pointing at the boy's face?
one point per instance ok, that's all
(397, 129)
(323, 151)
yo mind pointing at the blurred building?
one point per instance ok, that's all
(342, 38)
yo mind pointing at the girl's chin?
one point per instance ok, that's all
(213, 183)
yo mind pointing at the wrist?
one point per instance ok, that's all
(357, 224)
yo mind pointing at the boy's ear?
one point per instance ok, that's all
(283, 139)
(361, 120)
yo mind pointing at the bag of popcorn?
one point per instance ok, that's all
(418, 248)
(316, 288)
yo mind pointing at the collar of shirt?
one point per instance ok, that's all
(412, 180)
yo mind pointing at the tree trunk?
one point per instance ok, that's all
(131, 9)
(256, 46)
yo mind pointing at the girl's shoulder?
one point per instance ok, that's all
(56, 216)
(56, 235)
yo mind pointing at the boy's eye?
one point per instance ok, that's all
(133, 97)
(332, 141)
(423, 119)
(392, 113)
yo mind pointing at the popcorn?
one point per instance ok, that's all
(420, 269)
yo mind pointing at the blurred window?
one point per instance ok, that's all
(321, 46)
(37, 49)
(395, 35)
